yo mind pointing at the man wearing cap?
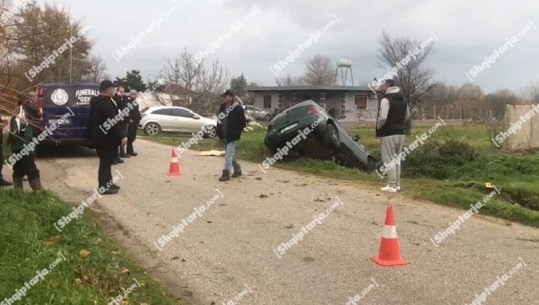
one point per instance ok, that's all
(134, 119)
(104, 135)
(393, 113)
(230, 123)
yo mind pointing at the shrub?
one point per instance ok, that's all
(439, 160)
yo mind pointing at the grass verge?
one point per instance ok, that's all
(83, 265)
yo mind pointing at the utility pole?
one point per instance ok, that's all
(70, 54)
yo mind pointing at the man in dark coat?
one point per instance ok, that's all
(121, 102)
(134, 119)
(22, 132)
(230, 123)
(105, 135)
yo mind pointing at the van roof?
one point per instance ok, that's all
(84, 84)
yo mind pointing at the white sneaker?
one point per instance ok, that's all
(398, 188)
(389, 188)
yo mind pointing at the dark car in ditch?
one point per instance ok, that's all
(306, 130)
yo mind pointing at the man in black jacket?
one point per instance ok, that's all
(230, 124)
(121, 101)
(105, 135)
(390, 125)
(134, 119)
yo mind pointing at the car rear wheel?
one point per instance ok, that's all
(152, 129)
(331, 137)
(211, 131)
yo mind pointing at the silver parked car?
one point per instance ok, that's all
(256, 113)
(159, 119)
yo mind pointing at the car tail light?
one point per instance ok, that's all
(40, 94)
(313, 110)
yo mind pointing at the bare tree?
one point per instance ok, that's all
(182, 70)
(206, 81)
(212, 80)
(289, 80)
(97, 70)
(7, 39)
(531, 92)
(497, 103)
(441, 100)
(411, 75)
(320, 71)
(470, 102)
(436, 97)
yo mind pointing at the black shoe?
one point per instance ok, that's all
(133, 154)
(110, 192)
(114, 187)
(225, 176)
(5, 183)
(236, 174)
(118, 161)
(125, 156)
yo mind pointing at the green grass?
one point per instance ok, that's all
(462, 183)
(29, 242)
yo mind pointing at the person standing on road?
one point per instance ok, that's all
(3, 124)
(393, 113)
(22, 133)
(121, 101)
(134, 119)
(105, 141)
(230, 124)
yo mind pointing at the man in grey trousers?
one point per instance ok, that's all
(390, 127)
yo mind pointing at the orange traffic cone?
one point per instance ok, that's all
(174, 169)
(389, 246)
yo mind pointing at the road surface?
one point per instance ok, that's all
(229, 253)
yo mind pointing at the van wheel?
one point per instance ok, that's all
(152, 129)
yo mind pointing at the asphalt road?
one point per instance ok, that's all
(228, 252)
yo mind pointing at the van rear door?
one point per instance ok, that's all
(66, 106)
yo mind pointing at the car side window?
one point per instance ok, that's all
(164, 111)
(182, 113)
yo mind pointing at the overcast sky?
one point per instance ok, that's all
(466, 33)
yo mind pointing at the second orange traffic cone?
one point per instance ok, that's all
(174, 169)
(389, 246)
